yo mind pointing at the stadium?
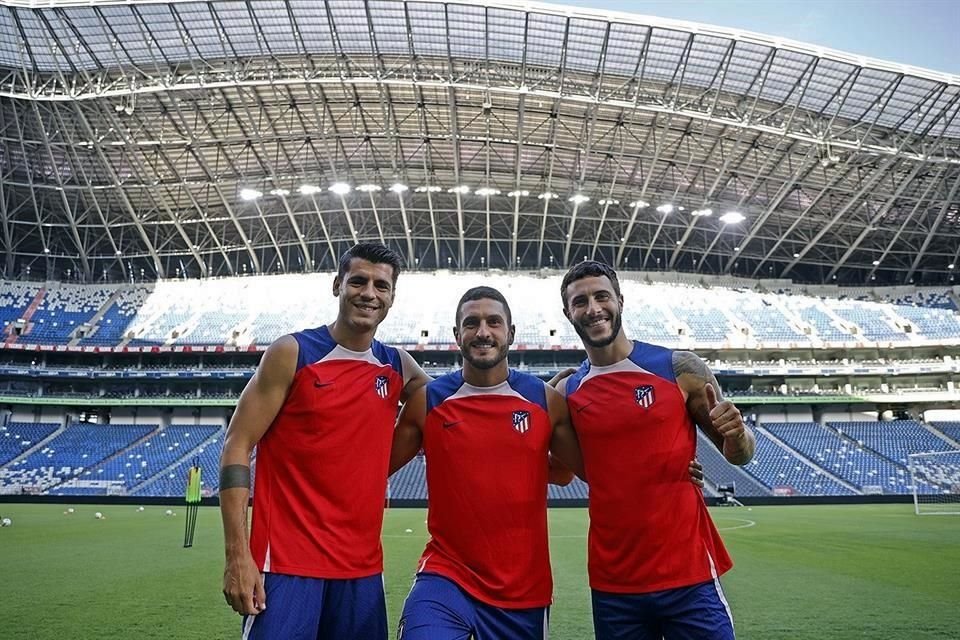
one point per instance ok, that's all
(180, 178)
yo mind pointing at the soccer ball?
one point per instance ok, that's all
(6, 522)
(98, 515)
(169, 512)
(70, 510)
(140, 509)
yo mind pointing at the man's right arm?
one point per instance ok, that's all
(259, 404)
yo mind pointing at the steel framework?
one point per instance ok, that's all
(470, 135)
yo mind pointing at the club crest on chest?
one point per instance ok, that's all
(645, 396)
(382, 386)
(521, 421)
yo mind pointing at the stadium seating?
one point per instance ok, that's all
(894, 440)
(17, 437)
(139, 463)
(172, 481)
(718, 471)
(787, 473)
(257, 309)
(866, 470)
(950, 429)
(79, 447)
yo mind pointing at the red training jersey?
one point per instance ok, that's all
(649, 525)
(322, 465)
(486, 456)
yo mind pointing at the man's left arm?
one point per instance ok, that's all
(718, 418)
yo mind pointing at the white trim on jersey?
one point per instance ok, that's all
(503, 389)
(266, 559)
(340, 353)
(546, 623)
(423, 563)
(716, 584)
(624, 366)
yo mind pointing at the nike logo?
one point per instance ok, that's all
(581, 408)
(319, 384)
(447, 425)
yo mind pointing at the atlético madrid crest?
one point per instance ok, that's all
(521, 421)
(382, 386)
(644, 396)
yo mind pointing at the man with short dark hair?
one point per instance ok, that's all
(487, 432)
(320, 410)
(654, 565)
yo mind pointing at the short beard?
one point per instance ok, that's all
(616, 324)
(485, 364)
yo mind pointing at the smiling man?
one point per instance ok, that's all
(320, 409)
(486, 432)
(653, 563)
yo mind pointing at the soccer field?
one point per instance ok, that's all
(801, 573)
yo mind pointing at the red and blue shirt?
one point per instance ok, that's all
(649, 525)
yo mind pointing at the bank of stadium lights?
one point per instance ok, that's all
(339, 188)
(517, 194)
(460, 189)
(280, 193)
(796, 255)
(308, 190)
(639, 204)
(578, 198)
(876, 263)
(547, 195)
(486, 192)
(250, 194)
(701, 213)
(430, 188)
(606, 201)
(665, 209)
(951, 266)
(398, 187)
(368, 187)
(732, 217)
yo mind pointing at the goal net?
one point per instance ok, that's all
(936, 482)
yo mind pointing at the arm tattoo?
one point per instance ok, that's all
(688, 362)
(235, 476)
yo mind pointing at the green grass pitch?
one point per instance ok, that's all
(801, 573)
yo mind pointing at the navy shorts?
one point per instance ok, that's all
(319, 609)
(698, 612)
(438, 609)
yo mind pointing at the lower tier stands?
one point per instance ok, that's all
(808, 459)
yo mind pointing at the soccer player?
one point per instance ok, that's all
(654, 555)
(486, 431)
(320, 409)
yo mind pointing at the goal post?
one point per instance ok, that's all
(935, 478)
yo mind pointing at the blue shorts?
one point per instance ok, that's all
(319, 609)
(437, 609)
(699, 612)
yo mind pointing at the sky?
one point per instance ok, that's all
(922, 33)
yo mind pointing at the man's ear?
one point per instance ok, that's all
(456, 335)
(511, 334)
(336, 286)
(566, 314)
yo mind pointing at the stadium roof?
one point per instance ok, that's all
(203, 138)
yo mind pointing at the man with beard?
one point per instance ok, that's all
(320, 409)
(486, 431)
(653, 566)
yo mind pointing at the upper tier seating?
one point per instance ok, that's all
(256, 310)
